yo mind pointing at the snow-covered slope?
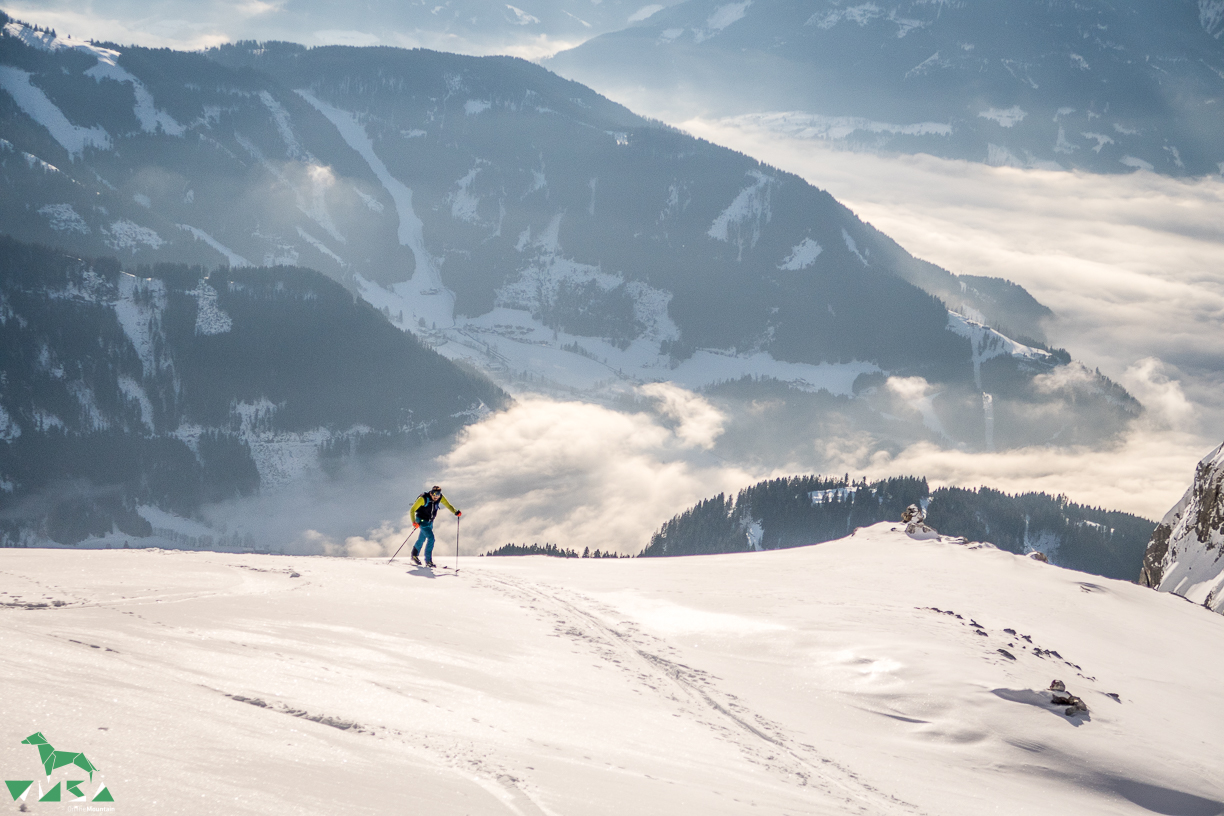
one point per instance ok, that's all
(875, 675)
(1186, 554)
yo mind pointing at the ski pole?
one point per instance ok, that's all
(457, 518)
(402, 547)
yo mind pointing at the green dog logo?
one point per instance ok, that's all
(52, 759)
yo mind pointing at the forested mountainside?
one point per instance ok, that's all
(1093, 85)
(521, 221)
(171, 386)
(802, 510)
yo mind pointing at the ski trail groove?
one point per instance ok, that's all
(458, 756)
(807, 765)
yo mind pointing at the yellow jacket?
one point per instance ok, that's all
(430, 509)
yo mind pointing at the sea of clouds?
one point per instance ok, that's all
(1132, 265)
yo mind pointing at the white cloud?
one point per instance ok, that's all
(255, 8)
(574, 473)
(570, 473)
(1145, 475)
(1155, 384)
(699, 423)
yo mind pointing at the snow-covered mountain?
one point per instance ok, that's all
(1090, 84)
(802, 510)
(871, 675)
(527, 224)
(1186, 553)
(129, 397)
(526, 29)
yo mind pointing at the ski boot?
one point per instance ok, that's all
(416, 559)
(431, 565)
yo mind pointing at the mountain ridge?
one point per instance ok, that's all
(1091, 86)
(180, 386)
(522, 222)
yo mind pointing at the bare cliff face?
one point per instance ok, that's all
(1185, 553)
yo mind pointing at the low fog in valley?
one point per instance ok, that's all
(1131, 264)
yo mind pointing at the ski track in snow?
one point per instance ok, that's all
(697, 695)
(542, 687)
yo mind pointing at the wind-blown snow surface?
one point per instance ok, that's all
(859, 676)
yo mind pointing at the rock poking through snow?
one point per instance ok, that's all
(914, 519)
(1062, 697)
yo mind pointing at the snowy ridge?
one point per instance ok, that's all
(803, 125)
(152, 120)
(1186, 555)
(988, 344)
(31, 161)
(46, 41)
(875, 675)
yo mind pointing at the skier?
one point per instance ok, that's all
(424, 511)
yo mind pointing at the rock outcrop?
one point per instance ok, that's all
(1185, 553)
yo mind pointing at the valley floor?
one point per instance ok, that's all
(874, 675)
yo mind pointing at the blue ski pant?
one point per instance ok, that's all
(427, 537)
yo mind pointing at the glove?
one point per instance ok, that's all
(458, 513)
(415, 525)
